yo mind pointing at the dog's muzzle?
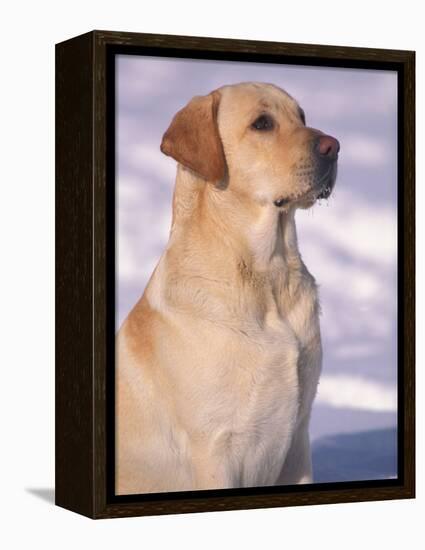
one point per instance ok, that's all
(326, 149)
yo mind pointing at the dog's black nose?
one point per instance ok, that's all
(327, 147)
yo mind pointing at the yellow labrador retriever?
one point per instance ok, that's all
(218, 363)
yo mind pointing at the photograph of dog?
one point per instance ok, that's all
(256, 291)
(218, 362)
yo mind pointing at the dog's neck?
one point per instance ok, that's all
(231, 229)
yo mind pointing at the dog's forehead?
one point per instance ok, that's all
(248, 96)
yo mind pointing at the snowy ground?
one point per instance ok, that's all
(349, 243)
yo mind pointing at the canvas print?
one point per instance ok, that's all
(256, 275)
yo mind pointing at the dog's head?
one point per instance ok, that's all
(253, 137)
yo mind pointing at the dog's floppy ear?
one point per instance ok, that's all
(193, 138)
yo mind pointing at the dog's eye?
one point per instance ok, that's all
(263, 122)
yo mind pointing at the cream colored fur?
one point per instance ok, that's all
(218, 363)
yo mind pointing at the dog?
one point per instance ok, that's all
(218, 362)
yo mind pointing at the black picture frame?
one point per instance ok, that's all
(85, 273)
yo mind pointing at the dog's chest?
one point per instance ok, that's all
(246, 358)
(253, 410)
(263, 387)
